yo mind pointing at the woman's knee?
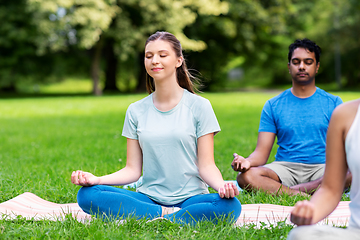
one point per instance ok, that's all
(230, 206)
(85, 196)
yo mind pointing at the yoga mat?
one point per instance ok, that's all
(30, 206)
(271, 214)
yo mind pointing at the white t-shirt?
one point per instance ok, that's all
(352, 148)
(169, 145)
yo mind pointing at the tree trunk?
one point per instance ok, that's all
(95, 68)
(111, 67)
(141, 84)
(10, 88)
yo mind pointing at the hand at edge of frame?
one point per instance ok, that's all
(303, 213)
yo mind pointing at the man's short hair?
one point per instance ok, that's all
(306, 44)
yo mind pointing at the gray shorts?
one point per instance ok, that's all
(291, 173)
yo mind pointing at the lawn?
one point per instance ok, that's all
(42, 140)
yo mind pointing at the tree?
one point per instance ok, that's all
(17, 45)
(27, 44)
(251, 35)
(117, 28)
(334, 26)
(216, 35)
(342, 43)
(141, 18)
(63, 23)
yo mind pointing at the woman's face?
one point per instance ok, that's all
(160, 60)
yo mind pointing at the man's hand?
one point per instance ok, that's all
(229, 190)
(240, 164)
(84, 179)
(303, 213)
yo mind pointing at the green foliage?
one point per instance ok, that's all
(45, 41)
(254, 30)
(141, 18)
(64, 22)
(261, 31)
(19, 46)
(108, 28)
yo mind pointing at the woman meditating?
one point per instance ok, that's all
(170, 140)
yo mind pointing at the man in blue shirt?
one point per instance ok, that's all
(299, 118)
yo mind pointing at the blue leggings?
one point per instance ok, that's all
(116, 203)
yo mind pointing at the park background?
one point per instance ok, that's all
(70, 68)
(96, 46)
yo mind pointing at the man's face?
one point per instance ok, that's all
(302, 66)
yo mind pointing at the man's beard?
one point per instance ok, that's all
(304, 83)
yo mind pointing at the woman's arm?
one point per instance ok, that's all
(130, 173)
(327, 197)
(209, 171)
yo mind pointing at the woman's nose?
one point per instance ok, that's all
(155, 59)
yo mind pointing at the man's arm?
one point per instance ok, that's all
(260, 155)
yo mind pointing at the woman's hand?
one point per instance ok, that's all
(229, 190)
(84, 179)
(303, 213)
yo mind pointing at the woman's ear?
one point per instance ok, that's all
(179, 61)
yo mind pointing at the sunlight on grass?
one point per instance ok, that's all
(69, 85)
(65, 106)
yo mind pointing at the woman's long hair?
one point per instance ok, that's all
(183, 76)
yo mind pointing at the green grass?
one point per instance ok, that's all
(69, 86)
(42, 140)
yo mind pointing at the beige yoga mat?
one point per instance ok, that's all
(271, 214)
(30, 206)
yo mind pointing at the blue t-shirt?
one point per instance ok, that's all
(168, 141)
(300, 125)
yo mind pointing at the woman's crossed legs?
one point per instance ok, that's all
(115, 203)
